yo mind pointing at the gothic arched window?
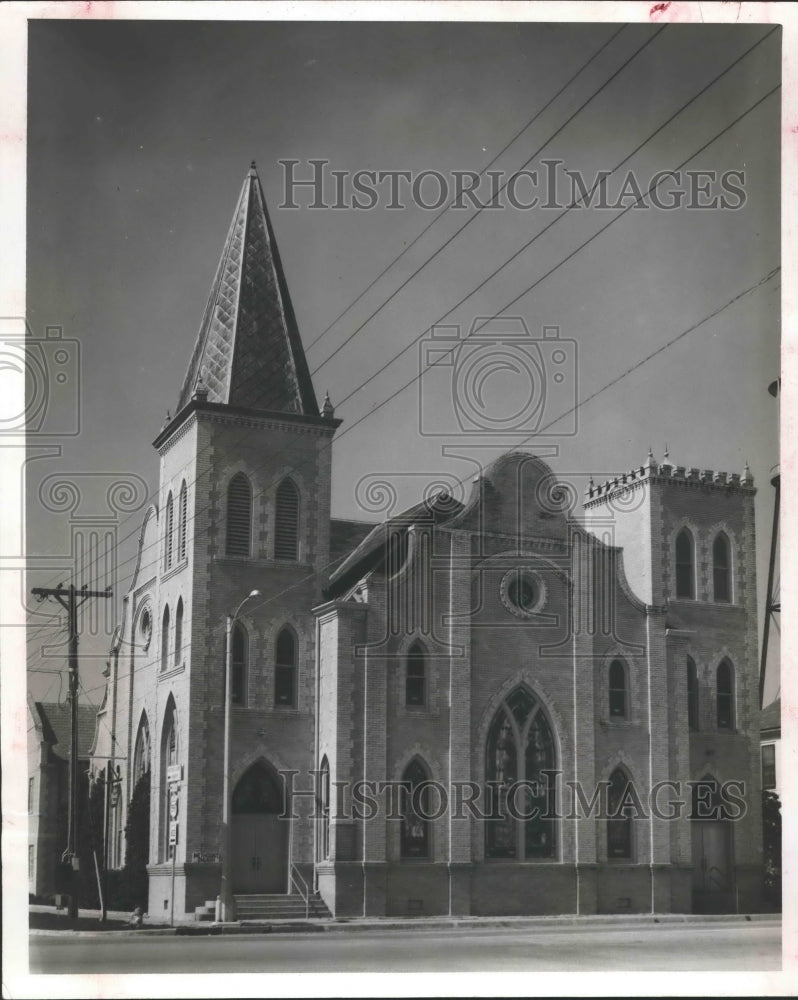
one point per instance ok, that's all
(169, 531)
(240, 657)
(182, 521)
(619, 813)
(285, 669)
(725, 695)
(618, 690)
(286, 521)
(721, 566)
(692, 694)
(141, 756)
(239, 516)
(685, 564)
(165, 639)
(416, 676)
(520, 750)
(415, 839)
(179, 633)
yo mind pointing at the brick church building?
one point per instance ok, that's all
(488, 707)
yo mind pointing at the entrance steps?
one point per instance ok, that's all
(278, 906)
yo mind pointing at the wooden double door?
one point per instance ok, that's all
(259, 836)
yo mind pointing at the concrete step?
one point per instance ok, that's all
(277, 907)
(207, 911)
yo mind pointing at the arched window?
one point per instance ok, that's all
(324, 803)
(239, 516)
(416, 676)
(179, 633)
(169, 757)
(692, 694)
(240, 642)
(285, 669)
(725, 695)
(286, 521)
(721, 565)
(520, 750)
(141, 756)
(619, 696)
(685, 564)
(183, 521)
(168, 531)
(165, 639)
(619, 816)
(415, 811)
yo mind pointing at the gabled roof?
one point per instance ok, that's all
(56, 725)
(374, 546)
(770, 717)
(345, 536)
(248, 351)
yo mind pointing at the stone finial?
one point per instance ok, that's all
(747, 476)
(650, 463)
(327, 409)
(200, 391)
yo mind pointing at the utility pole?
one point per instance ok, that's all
(772, 604)
(71, 599)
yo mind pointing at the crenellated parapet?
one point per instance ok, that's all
(665, 473)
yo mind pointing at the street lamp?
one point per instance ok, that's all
(225, 895)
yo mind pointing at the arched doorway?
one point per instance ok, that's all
(259, 837)
(713, 871)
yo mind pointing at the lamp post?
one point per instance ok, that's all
(225, 894)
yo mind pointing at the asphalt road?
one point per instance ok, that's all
(691, 946)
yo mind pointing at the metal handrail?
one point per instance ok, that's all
(296, 879)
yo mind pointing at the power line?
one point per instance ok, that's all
(515, 255)
(481, 173)
(476, 215)
(583, 402)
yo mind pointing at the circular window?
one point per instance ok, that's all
(523, 592)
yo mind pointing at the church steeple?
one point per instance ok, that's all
(248, 351)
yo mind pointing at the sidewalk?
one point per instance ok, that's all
(189, 926)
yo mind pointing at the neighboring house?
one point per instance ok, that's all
(49, 741)
(770, 741)
(484, 644)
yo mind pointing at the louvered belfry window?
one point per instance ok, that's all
(239, 516)
(286, 530)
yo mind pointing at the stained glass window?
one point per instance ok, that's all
(520, 749)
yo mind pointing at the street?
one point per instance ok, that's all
(708, 946)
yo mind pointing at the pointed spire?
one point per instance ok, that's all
(327, 409)
(248, 352)
(747, 476)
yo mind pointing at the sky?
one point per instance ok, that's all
(139, 135)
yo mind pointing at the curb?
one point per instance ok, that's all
(415, 924)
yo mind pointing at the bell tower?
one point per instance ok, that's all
(245, 495)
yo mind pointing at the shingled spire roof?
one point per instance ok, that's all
(248, 352)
